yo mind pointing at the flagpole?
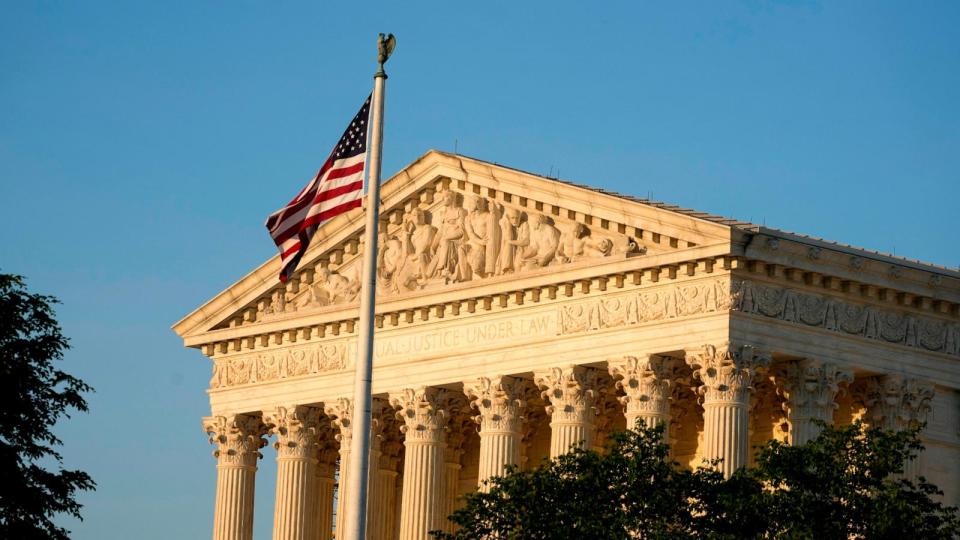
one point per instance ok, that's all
(358, 475)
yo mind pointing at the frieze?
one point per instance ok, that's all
(271, 365)
(647, 306)
(834, 314)
(785, 304)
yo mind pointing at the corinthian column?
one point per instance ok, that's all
(570, 393)
(424, 415)
(296, 428)
(499, 402)
(239, 439)
(896, 402)
(646, 382)
(727, 373)
(810, 389)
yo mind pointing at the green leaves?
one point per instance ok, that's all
(35, 395)
(843, 484)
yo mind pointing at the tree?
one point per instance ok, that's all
(35, 396)
(841, 485)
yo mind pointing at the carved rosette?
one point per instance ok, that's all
(810, 388)
(239, 439)
(423, 412)
(727, 372)
(570, 393)
(646, 382)
(500, 402)
(898, 402)
(297, 429)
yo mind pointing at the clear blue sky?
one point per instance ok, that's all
(143, 144)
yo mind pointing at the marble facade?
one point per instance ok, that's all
(519, 315)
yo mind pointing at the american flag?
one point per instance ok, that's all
(337, 188)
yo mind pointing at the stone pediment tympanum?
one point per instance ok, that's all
(452, 222)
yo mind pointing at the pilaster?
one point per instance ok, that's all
(897, 402)
(810, 388)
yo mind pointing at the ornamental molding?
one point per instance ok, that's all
(645, 306)
(851, 318)
(276, 364)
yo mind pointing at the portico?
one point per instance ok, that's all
(519, 315)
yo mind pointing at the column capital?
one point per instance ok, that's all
(646, 382)
(726, 371)
(499, 401)
(898, 402)
(570, 391)
(810, 387)
(238, 437)
(297, 428)
(424, 413)
(340, 412)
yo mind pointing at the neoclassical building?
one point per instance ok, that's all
(518, 315)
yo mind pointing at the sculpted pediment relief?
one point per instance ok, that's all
(457, 238)
(450, 220)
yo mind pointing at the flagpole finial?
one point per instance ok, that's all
(385, 46)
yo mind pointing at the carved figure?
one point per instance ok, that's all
(416, 239)
(390, 261)
(331, 288)
(579, 243)
(448, 242)
(543, 243)
(483, 239)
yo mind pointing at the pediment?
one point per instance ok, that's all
(450, 221)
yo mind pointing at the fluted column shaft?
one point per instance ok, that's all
(383, 505)
(499, 402)
(896, 402)
(810, 389)
(727, 373)
(238, 439)
(646, 383)
(424, 419)
(296, 499)
(571, 394)
(325, 487)
(451, 487)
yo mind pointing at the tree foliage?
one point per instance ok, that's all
(844, 484)
(35, 394)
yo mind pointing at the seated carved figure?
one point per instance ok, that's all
(416, 237)
(543, 244)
